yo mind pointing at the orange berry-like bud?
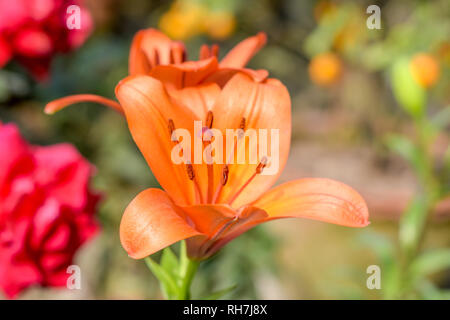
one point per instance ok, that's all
(325, 69)
(425, 69)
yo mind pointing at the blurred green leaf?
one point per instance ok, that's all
(430, 262)
(169, 262)
(412, 224)
(409, 94)
(219, 294)
(446, 173)
(409, 151)
(441, 119)
(384, 249)
(430, 292)
(322, 38)
(168, 283)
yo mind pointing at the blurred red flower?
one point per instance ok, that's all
(46, 211)
(32, 31)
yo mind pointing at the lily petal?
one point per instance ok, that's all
(151, 223)
(138, 62)
(265, 105)
(149, 48)
(184, 74)
(208, 218)
(318, 199)
(61, 103)
(148, 108)
(199, 99)
(219, 224)
(249, 217)
(241, 54)
(223, 75)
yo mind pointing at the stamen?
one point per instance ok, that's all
(171, 126)
(261, 165)
(209, 119)
(220, 230)
(189, 168)
(222, 183)
(242, 124)
(225, 175)
(191, 175)
(210, 167)
(190, 171)
(225, 171)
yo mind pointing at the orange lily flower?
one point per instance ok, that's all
(211, 204)
(195, 84)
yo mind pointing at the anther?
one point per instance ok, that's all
(241, 130)
(171, 127)
(242, 124)
(190, 171)
(209, 119)
(225, 175)
(262, 164)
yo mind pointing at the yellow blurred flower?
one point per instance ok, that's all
(186, 19)
(425, 69)
(220, 24)
(325, 69)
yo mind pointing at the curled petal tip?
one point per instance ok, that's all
(62, 103)
(262, 36)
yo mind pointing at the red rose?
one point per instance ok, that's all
(46, 211)
(32, 31)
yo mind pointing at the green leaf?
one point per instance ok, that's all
(441, 119)
(445, 177)
(412, 224)
(385, 250)
(430, 292)
(321, 38)
(408, 150)
(411, 153)
(408, 93)
(219, 294)
(168, 283)
(169, 262)
(430, 262)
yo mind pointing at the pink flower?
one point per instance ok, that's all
(32, 31)
(46, 211)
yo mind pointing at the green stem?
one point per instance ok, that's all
(188, 269)
(430, 190)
